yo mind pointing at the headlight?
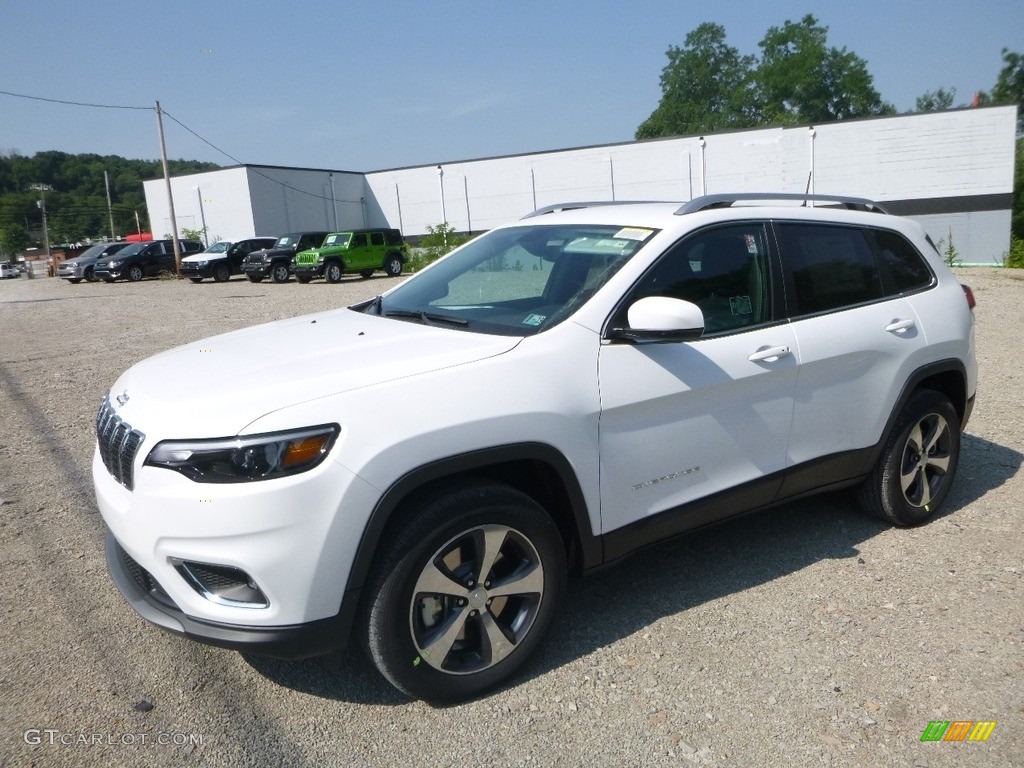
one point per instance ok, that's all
(71, 264)
(114, 264)
(244, 459)
(203, 263)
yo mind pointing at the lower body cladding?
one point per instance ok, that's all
(258, 567)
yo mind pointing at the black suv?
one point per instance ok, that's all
(222, 260)
(275, 262)
(140, 260)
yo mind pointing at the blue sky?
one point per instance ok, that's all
(386, 84)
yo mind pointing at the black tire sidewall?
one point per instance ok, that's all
(222, 273)
(389, 637)
(886, 479)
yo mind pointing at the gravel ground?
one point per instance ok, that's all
(808, 635)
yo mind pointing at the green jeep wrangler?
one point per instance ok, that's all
(357, 250)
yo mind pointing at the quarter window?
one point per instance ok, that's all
(902, 264)
(827, 267)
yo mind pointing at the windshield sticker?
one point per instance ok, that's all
(534, 320)
(634, 233)
(751, 244)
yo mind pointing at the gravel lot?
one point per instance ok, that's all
(808, 635)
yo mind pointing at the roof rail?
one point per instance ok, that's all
(727, 200)
(585, 204)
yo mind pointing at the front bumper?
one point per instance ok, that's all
(108, 274)
(263, 270)
(308, 270)
(189, 269)
(286, 535)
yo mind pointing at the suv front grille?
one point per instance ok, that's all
(118, 444)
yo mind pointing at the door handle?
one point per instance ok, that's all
(899, 326)
(769, 355)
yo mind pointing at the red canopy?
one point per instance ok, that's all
(145, 236)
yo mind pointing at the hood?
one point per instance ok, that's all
(217, 386)
(203, 257)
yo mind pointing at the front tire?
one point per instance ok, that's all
(465, 592)
(279, 273)
(222, 273)
(255, 278)
(135, 273)
(918, 464)
(332, 272)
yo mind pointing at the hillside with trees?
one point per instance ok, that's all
(76, 204)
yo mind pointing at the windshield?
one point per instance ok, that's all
(516, 281)
(337, 239)
(221, 247)
(128, 250)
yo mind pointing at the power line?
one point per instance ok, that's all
(72, 103)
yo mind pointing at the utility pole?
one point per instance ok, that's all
(41, 188)
(110, 208)
(170, 196)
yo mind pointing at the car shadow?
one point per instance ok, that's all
(673, 577)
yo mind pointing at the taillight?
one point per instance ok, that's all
(969, 294)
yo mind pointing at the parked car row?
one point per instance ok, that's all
(307, 255)
(329, 255)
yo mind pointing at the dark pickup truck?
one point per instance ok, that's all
(275, 262)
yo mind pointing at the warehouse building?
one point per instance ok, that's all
(951, 171)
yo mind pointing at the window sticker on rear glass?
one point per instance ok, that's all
(534, 320)
(751, 244)
(633, 233)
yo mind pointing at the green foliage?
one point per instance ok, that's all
(949, 251)
(1015, 257)
(802, 80)
(193, 234)
(439, 240)
(935, 101)
(13, 238)
(706, 86)
(76, 208)
(1009, 87)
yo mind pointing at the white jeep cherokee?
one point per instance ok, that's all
(425, 469)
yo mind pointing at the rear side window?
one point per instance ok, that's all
(827, 267)
(393, 237)
(903, 267)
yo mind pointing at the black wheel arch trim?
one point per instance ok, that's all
(585, 548)
(962, 400)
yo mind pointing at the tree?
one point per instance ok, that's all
(935, 101)
(705, 86)
(1009, 88)
(801, 80)
(13, 238)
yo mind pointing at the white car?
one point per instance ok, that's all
(7, 269)
(424, 470)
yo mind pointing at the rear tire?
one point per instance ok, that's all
(255, 278)
(366, 273)
(393, 265)
(74, 280)
(918, 464)
(303, 278)
(89, 276)
(196, 279)
(464, 593)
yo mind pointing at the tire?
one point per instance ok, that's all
(393, 265)
(279, 272)
(135, 273)
(196, 279)
(221, 273)
(255, 278)
(89, 276)
(918, 464)
(462, 639)
(74, 280)
(303, 278)
(332, 272)
(108, 279)
(366, 273)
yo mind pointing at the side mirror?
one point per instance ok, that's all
(661, 319)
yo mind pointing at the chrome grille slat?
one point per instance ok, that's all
(118, 444)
